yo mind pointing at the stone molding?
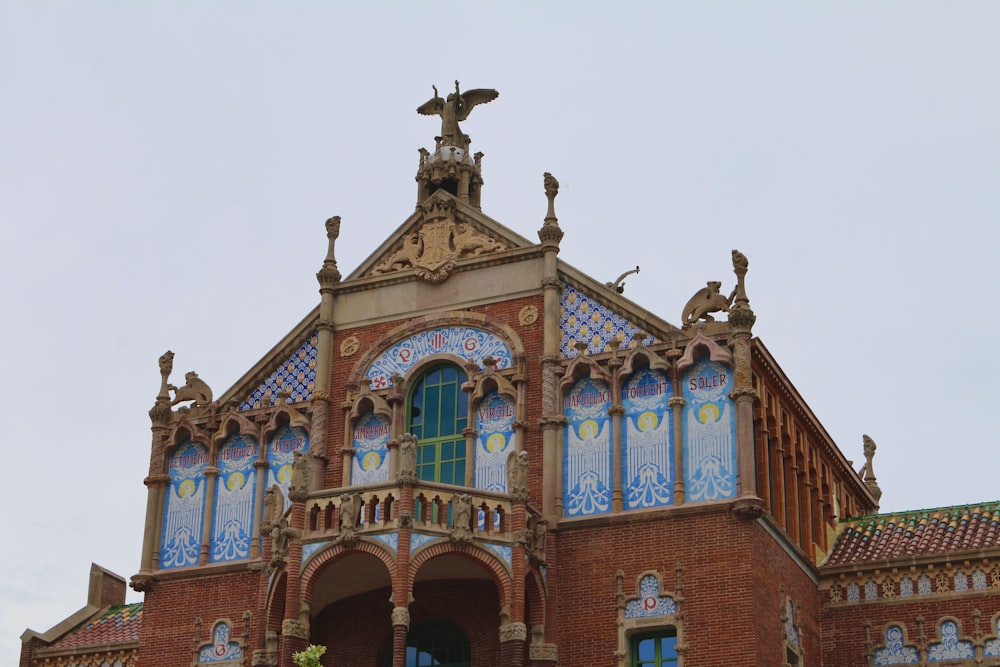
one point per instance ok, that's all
(513, 632)
(293, 627)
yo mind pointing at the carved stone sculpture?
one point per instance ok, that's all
(274, 507)
(408, 459)
(517, 475)
(194, 389)
(462, 518)
(706, 300)
(301, 476)
(537, 528)
(455, 109)
(350, 507)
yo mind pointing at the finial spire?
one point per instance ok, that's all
(550, 233)
(329, 275)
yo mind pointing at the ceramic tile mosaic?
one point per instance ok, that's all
(895, 652)
(418, 540)
(221, 649)
(585, 320)
(119, 624)
(466, 343)
(505, 552)
(297, 372)
(311, 548)
(650, 602)
(391, 540)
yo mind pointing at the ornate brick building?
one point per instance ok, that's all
(472, 453)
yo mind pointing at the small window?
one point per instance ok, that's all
(437, 643)
(655, 649)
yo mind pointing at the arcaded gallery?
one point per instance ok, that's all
(472, 453)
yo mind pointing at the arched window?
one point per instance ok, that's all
(437, 413)
(438, 643)
(655, 649)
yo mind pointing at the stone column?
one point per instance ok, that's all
(550, 235)
(513, 638)
(328, 277)
(676, 404)
(211, 475)
(616, 412)
(741, 321)
(157, 480)
(400, 626)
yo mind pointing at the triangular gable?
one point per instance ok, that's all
(442, 231)
(288, 366)
(596, 314)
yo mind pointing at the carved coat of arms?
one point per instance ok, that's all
(433, 249)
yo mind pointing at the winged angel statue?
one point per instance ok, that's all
(455, 108)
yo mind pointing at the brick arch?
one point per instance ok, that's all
(332, 554)
(484, 557)
(450, 318)
(534, 593)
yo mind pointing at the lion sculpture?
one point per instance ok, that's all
(705, 301)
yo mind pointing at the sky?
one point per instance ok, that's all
(166, 169)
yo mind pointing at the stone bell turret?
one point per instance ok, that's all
(450, 167)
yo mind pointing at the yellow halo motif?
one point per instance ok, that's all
(708, 413)
(370, 461)
(588, 429)
(284, 474)
(236, 481)
(647, 421)
(495, 442)
(186, 488)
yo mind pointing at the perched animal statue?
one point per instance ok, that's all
(194, 389)
(706, 300)
(454, 109)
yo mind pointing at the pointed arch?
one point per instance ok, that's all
(701, 342)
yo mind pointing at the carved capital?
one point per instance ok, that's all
(742, 394)
(264, 658)
(513, 632)
(616, 411)
(676, 402)
(543, 653)
(742, 319)
(551, 283)
(401, 616)
(748, 508)
(321, 397)
(157, 480)
(293, 627)
(160, 413)
(404, 521)
(328, 276)
(550, 422)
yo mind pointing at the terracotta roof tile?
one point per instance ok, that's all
(117, 625)
(925, 532)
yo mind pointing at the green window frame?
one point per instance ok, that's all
(655, 649)
(437, 413)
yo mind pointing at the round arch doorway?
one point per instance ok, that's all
(436, 644)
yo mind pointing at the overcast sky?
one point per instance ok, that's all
(166, 169)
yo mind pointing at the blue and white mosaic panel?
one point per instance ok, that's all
(895, 652)
(232, 525)
(587, 461)
(650, 602)
(950, 647)
(582, 319)
(418, 540)
(506, 553)
(221, 650)
(298, 373)
(992, 646)
(390, 540)
(465, 342)
(184, 511)
(281, 450)
(495, 423)
(371, 449)
(647, 458)
(709, 432)
(312, 547)
(791, 634)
